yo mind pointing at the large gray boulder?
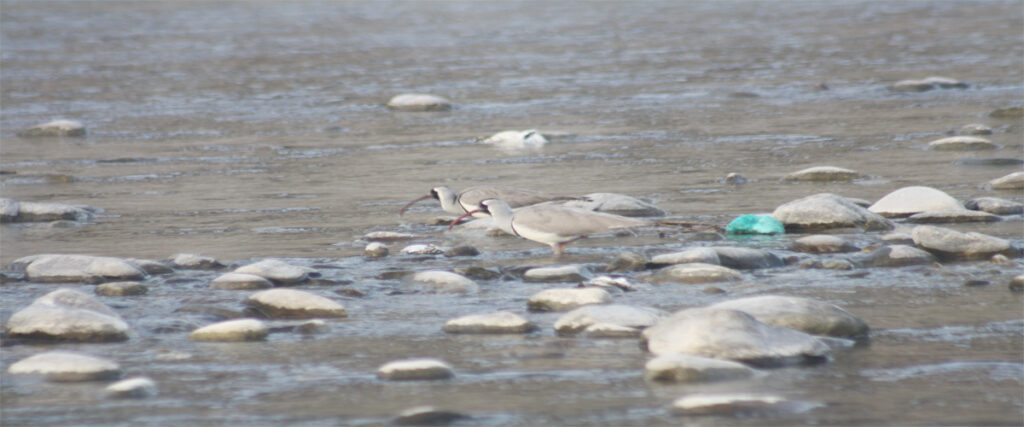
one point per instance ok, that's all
(826, 211)
(733, 335)
(803, 314)
(68, 315)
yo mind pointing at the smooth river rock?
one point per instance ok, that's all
(950, 244)
(995, 206)
(62, 127)
(975, 129)
(564, 299)
(952, 216)
(81, 268)
(502, 322)
(826, 211)
(517, 140)
(1013, 181)
(694, 255)
(562, 273)
(292, 303)
(632, 317)
(746, 258)
(728, 404)
(416, 369)
(444, 282)
(962, 143)
(824, 173)
(911, 200)
(681, 368)
(278, 271)
(627, 261)
(118, 289)
(66, 366)
(15, 211)
(240, 281)
(733, 335)
(195, 262)
(694, 273)
(376, 250)
(895, 256)
(419, 102)
(803, 314)
(928, 83)
(426, 415)
(132, 388)
(68, 315)
(232, 330)
(823, 244)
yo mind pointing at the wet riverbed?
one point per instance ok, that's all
(245, 131)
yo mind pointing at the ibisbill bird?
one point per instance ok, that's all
(470, 198)
(552, 224)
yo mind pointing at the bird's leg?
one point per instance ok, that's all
(559, 248)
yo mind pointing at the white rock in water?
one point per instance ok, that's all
(387, 236)
(962, 143)
(515, 140)
(81, 268)
(995, 205)
(421, 249)
(291, 303)
(416, 369)
(132, 388)
(976, 129)
(825, 211)
(426, 415)
(46, 211)
(375, 250)
(681, 368)
(951, 244)
(803, 314)
(734, 178)
(419, 102)
(695, 255)
(616, 204)
(694, 273)
(502, 322)
(564, 273)
(1013, 181)
(65, 366)
(562, 299)
(627, 316)
(823, 244)
(445, 282)
(927, 84)
(55, 128)
(725, 404)
(239, 281)
(67, 314)
(952, 216)
(733, 335)
(195, 262)
(232, 330)
(824, 173)
(278, 271)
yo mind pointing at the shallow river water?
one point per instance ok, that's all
(254, 130)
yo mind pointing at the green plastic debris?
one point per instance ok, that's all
(755, 224)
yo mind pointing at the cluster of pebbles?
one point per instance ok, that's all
(732, 339)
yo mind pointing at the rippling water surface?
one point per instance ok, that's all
(258, 130)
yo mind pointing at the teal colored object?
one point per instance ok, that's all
(755, 224)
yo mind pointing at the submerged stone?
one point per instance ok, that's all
(962, 143)
(627, 261)
(896, 256)
(824, 173)
(563, 299)
(132, 388)
(747, 258)
(291, 303)
(823, 244)
(195, 262)
(48, 211)
(65, 366)
(995, 205)
(428, 415)
(952, 216)
(278, 271)
(694, 273)
(695, 255)
(445, 282)
(681, 368)
(240, 281)
(416, 369)
(502, 322)
(975, 129)
(564, 273)
(116, 289)
(232, 330)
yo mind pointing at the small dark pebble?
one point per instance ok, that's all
(977, 283)
(349, 292)
(461, 251)
(478, 273)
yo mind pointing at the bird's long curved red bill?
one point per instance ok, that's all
(413, 203)
(463, 216)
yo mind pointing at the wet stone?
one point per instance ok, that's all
(240, 281)
(478, 273)
(55, 128)
(387, 236)
(132, 388)
(695, 255)
(898, 239)
(823, 244)
(694, 273)
(376, 250)
(896, 256)
(445, 282)
(419, 102)
(565, 273)
(627, 261)
(416, 369)
(995, 206)
(734, 178)
(65, 366)
(827, 211)
(151, 267)
(962, 143)
(81, 268)
(502, 322)
(1017, 283)
(626, 316)
(952, 216)
(117, 289)
(231, 331)
(975, 129)
(422, 249)
(1013, 181)
(195, 262)
(68, 315)
(802, 314)
(461, 251)
(949, 244)
(428, 415)
(735, 404)
(824, 173)
(733, 335)
(609, 282)
(911, 200)
(828, 264)
(278, 271)
(291, 303)
(47, 211)
(1007, 113)
(564, 299)
(517, 139)
(747, 258)
(681, 368)
(927, 83)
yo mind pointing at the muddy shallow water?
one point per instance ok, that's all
(245, 131)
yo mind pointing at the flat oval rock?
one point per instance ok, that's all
(81, 268)
(55, 128)
(416, 369)
(896, 256)
(419, 102)
(232, 330)
(1013, 181)
(950, 244)
(823, 244)
(824, 173)
(563, 299)
(240, 281)
(195, 262)
(962, 143)
(65, 366)
(116, 289)
(695, 255)
(291, 303)
(563, 273)
(727, 404)
(445, 282)
(278, 271)
(694, 273)
(803, 314)
(995, 205)
(681, 368)
(627, 316)
(132, 388)
(502, 322)
(952, 216)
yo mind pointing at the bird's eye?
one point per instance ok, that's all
(433, 193)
